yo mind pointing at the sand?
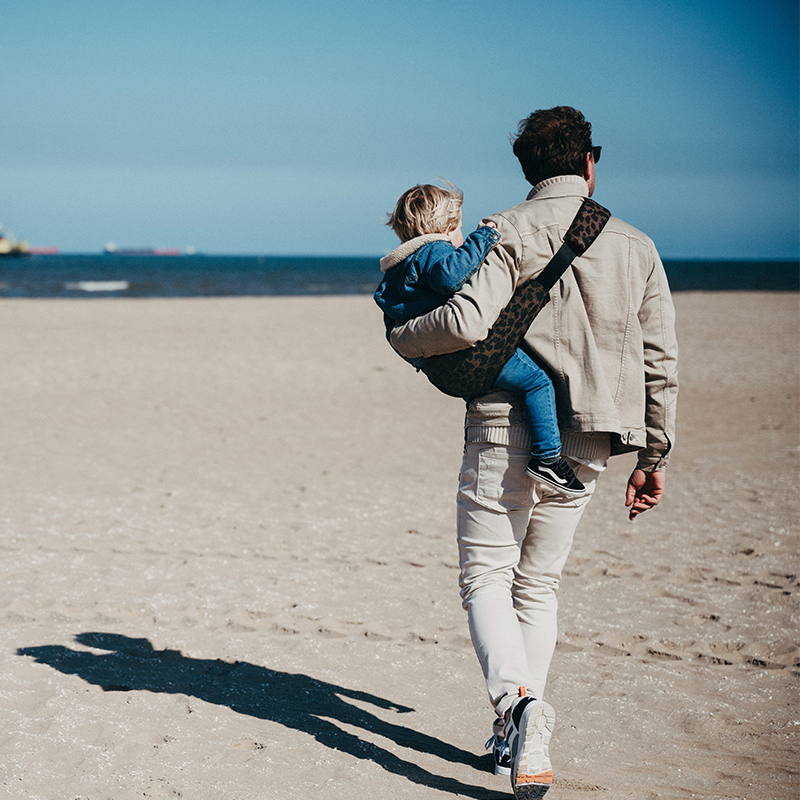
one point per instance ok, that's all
(229, 568)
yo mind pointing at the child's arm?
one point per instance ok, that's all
(468, 315)
(446, 269)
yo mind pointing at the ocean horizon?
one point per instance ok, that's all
(116, 275)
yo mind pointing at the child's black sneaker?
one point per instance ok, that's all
(556, 474)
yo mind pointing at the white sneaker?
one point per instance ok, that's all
(528, 731)
(500, 752)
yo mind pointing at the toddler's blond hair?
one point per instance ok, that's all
(426, 208)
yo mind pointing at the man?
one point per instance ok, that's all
(607, 340)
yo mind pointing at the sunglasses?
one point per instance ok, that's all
(596, 153)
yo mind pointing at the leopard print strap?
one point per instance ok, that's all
(468, 373)
(585, 228)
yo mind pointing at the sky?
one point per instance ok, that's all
(256, 127)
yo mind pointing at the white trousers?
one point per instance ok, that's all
(513, 540)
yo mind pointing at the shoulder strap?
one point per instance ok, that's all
(584, 229)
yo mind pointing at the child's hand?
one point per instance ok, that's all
(489, 224)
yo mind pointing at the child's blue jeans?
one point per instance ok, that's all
(522, 375)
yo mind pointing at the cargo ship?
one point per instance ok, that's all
(112, 250)
(10, 246)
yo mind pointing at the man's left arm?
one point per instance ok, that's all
(657, 321)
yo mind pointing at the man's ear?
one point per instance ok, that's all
(589, 174)
(588, 166)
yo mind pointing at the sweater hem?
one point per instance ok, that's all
(589, 446)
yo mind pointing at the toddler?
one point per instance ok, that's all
(432, 263)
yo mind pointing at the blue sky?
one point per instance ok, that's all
(258, 127)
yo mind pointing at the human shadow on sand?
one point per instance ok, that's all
(294, 700)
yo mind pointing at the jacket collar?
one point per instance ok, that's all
(560, 186)
(407, 248)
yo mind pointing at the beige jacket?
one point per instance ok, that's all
(606, 337)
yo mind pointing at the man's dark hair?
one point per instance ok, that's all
(553, 141)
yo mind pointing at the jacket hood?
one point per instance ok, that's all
(406, 249)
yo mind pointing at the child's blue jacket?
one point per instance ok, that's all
(424, 272)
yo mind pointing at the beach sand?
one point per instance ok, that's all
(229, 568)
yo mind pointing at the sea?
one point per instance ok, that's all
(116, 275)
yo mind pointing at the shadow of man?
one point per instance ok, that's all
(294, 700)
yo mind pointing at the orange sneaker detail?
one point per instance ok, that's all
(540, 777)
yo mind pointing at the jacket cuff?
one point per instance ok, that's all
(659, 465)
(492, 234)
(654, 462)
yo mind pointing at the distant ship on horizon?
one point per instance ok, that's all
(10, 246)
(111, 249)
